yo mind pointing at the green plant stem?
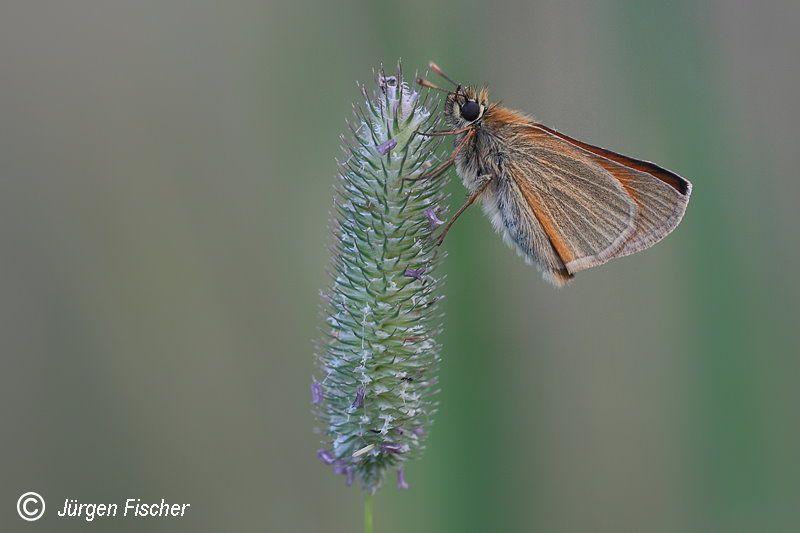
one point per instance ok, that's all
(368, 513)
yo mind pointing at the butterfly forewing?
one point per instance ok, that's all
(661, 196)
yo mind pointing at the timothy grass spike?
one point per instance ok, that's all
(379, 358)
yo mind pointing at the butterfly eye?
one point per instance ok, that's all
(470, 110)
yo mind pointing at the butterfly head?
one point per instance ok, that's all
(465, 106)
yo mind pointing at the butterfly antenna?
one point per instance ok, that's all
(440, 72)
(425, 83)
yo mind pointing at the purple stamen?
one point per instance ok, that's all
(325, 456)
(401, 479)
(384, 147)
(415, 273)
(316, 392)
(435, 221)
(419, 431)
(359, 401)
(391, 447)
(341, 469)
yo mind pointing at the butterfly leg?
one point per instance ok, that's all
(436, 172)
(451, 132)
(442, 168)
(472, 197)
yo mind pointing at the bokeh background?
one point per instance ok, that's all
(165, 183)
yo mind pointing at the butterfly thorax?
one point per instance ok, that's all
(486, 152)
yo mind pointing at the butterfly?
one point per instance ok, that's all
(564, 204)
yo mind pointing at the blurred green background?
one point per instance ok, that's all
(165, 186)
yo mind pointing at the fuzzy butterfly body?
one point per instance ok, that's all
(565, 205)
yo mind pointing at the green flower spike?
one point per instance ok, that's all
(379, 359)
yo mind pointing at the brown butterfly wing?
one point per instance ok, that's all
(661, 196)
(585, 212)
(592, 207)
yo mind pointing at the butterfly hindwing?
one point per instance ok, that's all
(592, 207)
(585, 211)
